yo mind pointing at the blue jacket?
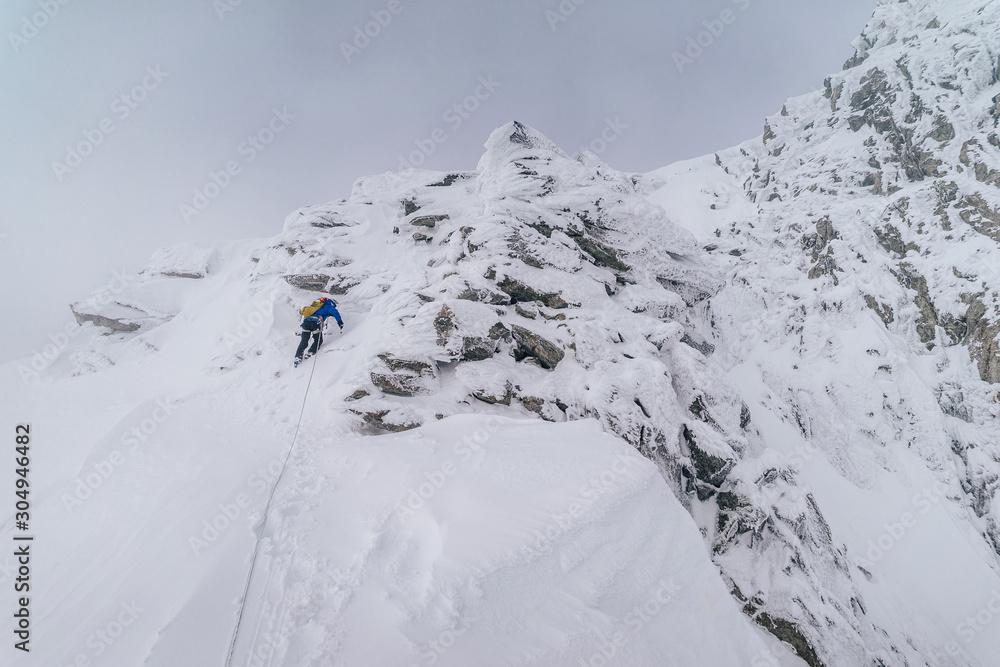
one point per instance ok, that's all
(326, 311)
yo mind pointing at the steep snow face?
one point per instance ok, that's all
(537, 282)
(860, 326)
(537, 289)
(800, 333)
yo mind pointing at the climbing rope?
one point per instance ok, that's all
(263, 523)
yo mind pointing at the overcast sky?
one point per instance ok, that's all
(116, 112)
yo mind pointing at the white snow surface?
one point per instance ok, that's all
(577, 416)
(473, 540)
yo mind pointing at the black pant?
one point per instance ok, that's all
(317, 341)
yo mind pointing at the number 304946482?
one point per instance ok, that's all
(22, 459)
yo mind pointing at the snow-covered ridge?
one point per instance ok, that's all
(862, 313)
(800, 333)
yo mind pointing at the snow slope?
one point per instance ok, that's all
(859, 325)
(798, 335)
(160, 427)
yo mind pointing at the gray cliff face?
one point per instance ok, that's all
(876, 198)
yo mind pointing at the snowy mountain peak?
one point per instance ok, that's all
(799, 334)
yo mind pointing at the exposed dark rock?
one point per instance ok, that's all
(405, 377)
(448, 180)
(182, 274)
(475, 348)
(728, 501)
(602, 255)
(520, 136)
(542, 228)
(708, 468)
(982, 339)
(956, 328)
(523, 312)
(429, 220)
(499, 332)
(120, 325)
(533, 404)
(409, 207)
(444, 324)
(826, 266)
(977, 212)
(530, 344)
(692, 292)
(884, 310)
(890, 239)
(378, 420)
(700, 411)
(789, 633)
(927, 323)
(339, 286)
(856, 123)
(484, 296)
(318, 282)
(984, 175)
(357, 395)
(951, 400)
(816, 243)
(943, 130)
(874, 91)
(313, 282)
(519, 292)
(521, 250)
(744, 417)
(324, 222)
(486, 397)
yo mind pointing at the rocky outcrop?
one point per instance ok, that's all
(529, 344)
(521, 293)
(405, 377)
(983, 339)
(428, 220)
(116, 325)
(319, 282)
(384, 420)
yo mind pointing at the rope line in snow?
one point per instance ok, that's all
(263, 522)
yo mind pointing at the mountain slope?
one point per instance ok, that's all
(799, 334)
(862, 316)
(461, 541)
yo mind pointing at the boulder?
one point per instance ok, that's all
(122, 326)
(320, 282)
(405, 377)
(530, 344)
(521, 293)
(382, 420)
(428, 220)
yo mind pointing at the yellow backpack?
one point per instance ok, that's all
(308, 311)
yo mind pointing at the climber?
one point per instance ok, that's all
(313, 318)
